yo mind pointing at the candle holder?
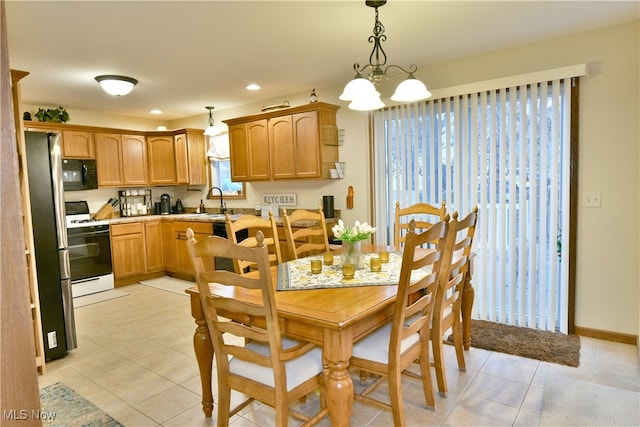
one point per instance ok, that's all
(316, 266)
(348, 271)
(327, 257)
(376, 264)
(384, 256)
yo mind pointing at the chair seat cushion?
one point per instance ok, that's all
(297, 370)
(375, 346)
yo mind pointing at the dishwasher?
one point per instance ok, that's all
(220, 230)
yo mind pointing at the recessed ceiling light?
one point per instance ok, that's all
(253, 86)
(156, 111)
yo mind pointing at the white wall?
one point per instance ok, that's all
(608, 272)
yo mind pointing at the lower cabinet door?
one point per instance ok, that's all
(128, 255)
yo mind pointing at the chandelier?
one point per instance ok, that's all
(362, 92)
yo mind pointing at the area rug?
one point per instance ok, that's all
(526, 342)
(576, 403)
(170, 284)
(97, 297)
(65, 407)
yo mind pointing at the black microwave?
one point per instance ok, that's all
(79, 174)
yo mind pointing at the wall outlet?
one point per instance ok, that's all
(52, 339)
(592, 199)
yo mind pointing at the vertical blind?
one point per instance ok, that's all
(506, 151)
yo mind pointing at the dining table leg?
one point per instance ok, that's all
(337, 349)
(204, 353)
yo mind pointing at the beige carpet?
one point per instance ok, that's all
(170, 284)
(577, 403)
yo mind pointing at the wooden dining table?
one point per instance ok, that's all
(333, 319)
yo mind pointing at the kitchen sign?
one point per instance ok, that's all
(280, 199)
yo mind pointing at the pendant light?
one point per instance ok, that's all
(362, 92)
(211, 130)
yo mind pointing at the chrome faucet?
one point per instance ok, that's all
(223, 205)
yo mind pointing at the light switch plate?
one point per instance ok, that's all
(592, 199)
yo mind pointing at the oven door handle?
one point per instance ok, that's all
(87, 234)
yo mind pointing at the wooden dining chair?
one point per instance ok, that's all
(249, 225)
(424, 215)
(274, 370)
(305, 240)
(447, 313)
(390, 349)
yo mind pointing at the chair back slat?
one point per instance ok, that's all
(424, 215)
(251, 224)
(306, 240)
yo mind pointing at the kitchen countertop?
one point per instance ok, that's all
(198, 217)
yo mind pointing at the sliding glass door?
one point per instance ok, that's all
(507, 152)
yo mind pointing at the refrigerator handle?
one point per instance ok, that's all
(58, 189)
(69, 316)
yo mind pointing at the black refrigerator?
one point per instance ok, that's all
(44, 169)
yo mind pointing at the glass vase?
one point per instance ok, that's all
(352, 254)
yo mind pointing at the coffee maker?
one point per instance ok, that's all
(165, 204)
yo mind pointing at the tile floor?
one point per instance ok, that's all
(135, 361)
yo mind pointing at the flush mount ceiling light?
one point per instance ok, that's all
(362, 92)
(116, 85)
(211, 130)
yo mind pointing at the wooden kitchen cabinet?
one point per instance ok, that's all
(177, 261)
(295, 146)
(283, 144)
(127, 250)
(162, 160)
(108, 149)
(134, 160)
(137, 251)
(121, 160)
(181, 159)
(194, 162)
(77, 145)
(249, 150)
(154, 246)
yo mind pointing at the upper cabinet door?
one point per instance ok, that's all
(258, 138)
(134, 160)
(306, 137)
(77, 145)
(283, 150)
(249, 150)
(162, 163)
(182, 163)
(197, 156)
(109, 159)
(239, 152)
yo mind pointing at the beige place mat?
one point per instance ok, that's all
(296, 275)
